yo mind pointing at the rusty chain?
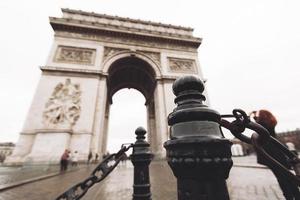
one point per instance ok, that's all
(98, 174)
(258, 139)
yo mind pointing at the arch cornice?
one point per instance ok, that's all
(110, 60)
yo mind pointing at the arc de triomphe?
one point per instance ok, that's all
(92, 57)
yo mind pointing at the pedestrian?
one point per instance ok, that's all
(89, 157)
(2, 158)
(96, 157)
(74, 158)
(64, 160)
(268, 121)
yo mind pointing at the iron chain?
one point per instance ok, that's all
(98, 174)
(259, 139)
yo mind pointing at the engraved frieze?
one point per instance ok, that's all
(63, 106)
(67, 54)
(182, 65)
(127, 40)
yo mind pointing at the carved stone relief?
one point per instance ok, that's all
(153, 55)
(75, 55)
(63, 106)
(109, 51)
(182, 65)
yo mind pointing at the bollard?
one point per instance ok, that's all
(141, 158)
(197, 152)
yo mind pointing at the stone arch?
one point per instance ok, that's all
(85, 52)
(108, 62)
(131, 72)
(135, 70)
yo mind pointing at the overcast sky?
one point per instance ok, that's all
(249, 54)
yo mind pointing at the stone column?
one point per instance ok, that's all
(105, 129)
(99, 119)
(151, 125)
(160, 120)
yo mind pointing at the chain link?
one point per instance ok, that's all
(99, 173)
(259, 139)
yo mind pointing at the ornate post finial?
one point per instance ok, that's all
(141, 158)
(140, 133)
(197, 152)
(191, 115)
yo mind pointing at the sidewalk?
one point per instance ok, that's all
(247, 161)
(244, 183)
(15, 176)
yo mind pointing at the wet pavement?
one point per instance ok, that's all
(10, 175)
(245, 183)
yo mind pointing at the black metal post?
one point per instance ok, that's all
(141, 158)
(197, 152)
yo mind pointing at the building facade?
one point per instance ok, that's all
(6, 149)
(289, 138)
(92, 57)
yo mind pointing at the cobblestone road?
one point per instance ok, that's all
(244, 183)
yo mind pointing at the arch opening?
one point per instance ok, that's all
(134, 73)
(131, 72)
(126, 114)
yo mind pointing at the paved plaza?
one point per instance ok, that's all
(246, 182)
(10, 175)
